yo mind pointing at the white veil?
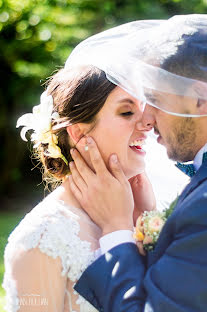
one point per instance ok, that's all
(152, 60)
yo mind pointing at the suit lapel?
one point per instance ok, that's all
(166, 234)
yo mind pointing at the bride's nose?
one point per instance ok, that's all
(142, 125)
(147, 121)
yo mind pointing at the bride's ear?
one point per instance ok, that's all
(76, 132)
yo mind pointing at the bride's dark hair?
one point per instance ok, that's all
(78, 95)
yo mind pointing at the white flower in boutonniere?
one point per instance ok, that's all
(148, 228)
(40, 121)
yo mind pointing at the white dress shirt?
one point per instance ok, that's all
(199, 157)
(116, 238)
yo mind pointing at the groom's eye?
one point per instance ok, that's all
(127, 114)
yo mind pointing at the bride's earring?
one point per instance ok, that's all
(86, 147)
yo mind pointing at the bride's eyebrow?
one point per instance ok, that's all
(126, 100)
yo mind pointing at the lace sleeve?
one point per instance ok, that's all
(38, 280)
(45, 255)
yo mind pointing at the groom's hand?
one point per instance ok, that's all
(106, 196)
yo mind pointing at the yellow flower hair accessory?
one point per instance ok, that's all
(40, 121)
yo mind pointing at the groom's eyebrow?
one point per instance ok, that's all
(151, 97)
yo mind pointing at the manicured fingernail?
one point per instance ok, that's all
(69, 176)
(71, 164)
(89, 140)
(73, 151)
(114, 158)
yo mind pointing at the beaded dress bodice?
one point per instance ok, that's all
(62, 241)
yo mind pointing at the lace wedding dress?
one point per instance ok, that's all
(45, 255)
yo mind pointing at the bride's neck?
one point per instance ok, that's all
(65, 194)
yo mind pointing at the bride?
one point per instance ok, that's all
(54, 243)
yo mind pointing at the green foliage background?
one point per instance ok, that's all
(36, 37)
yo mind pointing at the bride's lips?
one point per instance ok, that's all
(137, 145)
(138, 150)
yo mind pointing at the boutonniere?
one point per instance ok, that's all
(149, 226)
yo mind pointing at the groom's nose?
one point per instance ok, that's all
(148, 117)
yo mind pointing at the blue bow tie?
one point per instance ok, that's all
(190, 169)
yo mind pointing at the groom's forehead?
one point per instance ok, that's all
(161, 95)
(167, 102)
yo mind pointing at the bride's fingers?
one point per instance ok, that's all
(96, 158)
(77, 178)
(116, 169)
(86, 173)
(75, 190)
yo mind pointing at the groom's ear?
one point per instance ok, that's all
(202, 106)
(75, 132)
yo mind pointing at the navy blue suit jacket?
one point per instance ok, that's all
(173, 278)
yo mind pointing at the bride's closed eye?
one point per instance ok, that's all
(127, 114)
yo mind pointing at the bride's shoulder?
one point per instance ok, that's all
(48, 214)
(53, 228)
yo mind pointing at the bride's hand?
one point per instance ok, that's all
(144, 198)
(106, 196)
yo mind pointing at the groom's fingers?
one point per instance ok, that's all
(96, 158)
(141, 248)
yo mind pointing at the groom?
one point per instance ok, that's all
(173, 277)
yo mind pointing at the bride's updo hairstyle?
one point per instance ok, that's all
(78, 95)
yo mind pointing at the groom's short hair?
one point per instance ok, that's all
(184, 47)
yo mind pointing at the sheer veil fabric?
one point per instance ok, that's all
(136, 56)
